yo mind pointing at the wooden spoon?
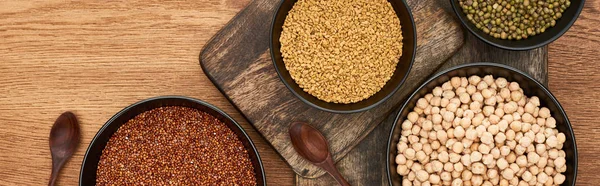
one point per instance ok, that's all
(312, 145)
(64, 139)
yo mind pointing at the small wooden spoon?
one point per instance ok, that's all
(312, 145)
(64, 139)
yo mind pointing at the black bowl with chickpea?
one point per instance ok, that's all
(517, 24)
(482, 124)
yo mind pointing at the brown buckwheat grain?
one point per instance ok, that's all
(341, 51)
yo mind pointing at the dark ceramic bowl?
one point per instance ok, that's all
(92, 156)
(409, 34)
(530, 86)
(562, 25)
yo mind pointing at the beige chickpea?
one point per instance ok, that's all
(401, 147)
(435, 145)
(493, 119)
(447, 86)
(465, 122)
(510, 107)
(466, 159)
(437, 91)
(415, 130)
(458, 147)
(511, 157)
(400, 159)
(519, 150)
(482, 85)
(444, 102)
(443, 157)
(544, 112)
(413, 139)
(501, 82)
(435, 110)
(454, 157)
(474, 80)
(471, 134)
(548, 170)
(489, 79)
(521, 161)
(448, 94)
(553, 153)
(437, 166)
(529, 107)
(427, 125)
(477, 97)
(542, 162)
(455, 82)
(464, 82)
(402, 170)
(434, 179)
(476, 156)
(490, 101)
(528, 118)
(464, 97)
(480, 130)
(412, 117)
(511, 143)
(551, 122)
(508, 174)
(457, 182)
(562, 169)
(559, 162)
(508, 117)
(422, 103)
(514, 86)
(476, 121)
(526, 127)
(488, 110)
(502, 163)
(436, 119)
(471, 89)
(504, 150)
(515, 126)
(418, 110)
(484, 149)
(436, 101)
(406, 182)
(422, 175)
(516, 96)
(446, 176)
(487, 138)
(448, 167)
(548, 132)
(478, 168)
(448, 116)
(504, 93)
(536, 112)
(552, 141)
(561, 138)
(477, 180)
(525, 141)
(559, 179)
(533, 158)
(422, 157)
(487, 93)
(410, 154)
(542, 177)
(475, 106)
(488, 160)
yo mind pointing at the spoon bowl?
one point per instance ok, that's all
(313, 146)
(64, 139)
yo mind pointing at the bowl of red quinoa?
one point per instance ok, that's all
(171, 140)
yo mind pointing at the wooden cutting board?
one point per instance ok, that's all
(237, 61)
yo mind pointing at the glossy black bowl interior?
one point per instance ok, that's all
(530, 86)
(92, 156)
(562, 25)
(408, 52)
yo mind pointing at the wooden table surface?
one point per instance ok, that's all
(96, 57)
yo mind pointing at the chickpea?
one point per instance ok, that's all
(443, 156)
(542, 162)
(475, 106)
(402, 170)
(551, 122)
(559, 179)
(437, 91)
(444, 102)
(476, 156)
(477, 180)
(522, 161)
(510, 107)
(434, 179)
(406, 182)
(544, 112)
(488, 160)
(484, 149)
(552, 141)
(491, 101)
(514, 86)
(516, 95)
(410, 154)
(446, 176)
(487, 138)
(508, 174)
(477, 97)
(448, 167)
(511, 157)
(457, 182)
(542, 177)
(422, 175)
(482, 85)
(559, 162)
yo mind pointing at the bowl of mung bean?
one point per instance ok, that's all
(517, 24)
(482, 124)
(343, 56)
(171, 140)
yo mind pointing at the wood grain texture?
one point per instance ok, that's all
(365, 164)
(239, 63)
(95, 58)
(575, 80)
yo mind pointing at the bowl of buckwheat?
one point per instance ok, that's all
(482, 124)
(343, 56)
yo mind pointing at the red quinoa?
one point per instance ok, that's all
(175, 146)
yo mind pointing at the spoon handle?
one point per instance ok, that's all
(329, 166)
(57, 164)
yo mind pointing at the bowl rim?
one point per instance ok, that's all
(183, 98)
(289, 87)
(468, 25)
(483, 64)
